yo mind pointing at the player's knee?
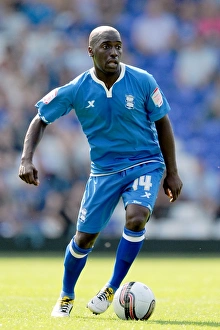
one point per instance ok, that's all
(135, 223)
(85, 240)
(136, 219)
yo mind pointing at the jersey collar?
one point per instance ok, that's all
(98, 81)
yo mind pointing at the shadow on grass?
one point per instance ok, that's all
(162, 322)
(201, 324)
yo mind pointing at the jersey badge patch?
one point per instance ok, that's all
(157, 97)
(129, 101)
(50, 96)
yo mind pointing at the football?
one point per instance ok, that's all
(134, 301)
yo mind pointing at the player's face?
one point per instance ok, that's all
(107, 53)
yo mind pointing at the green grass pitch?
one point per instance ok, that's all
(187, 291)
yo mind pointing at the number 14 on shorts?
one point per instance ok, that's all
(143, 181)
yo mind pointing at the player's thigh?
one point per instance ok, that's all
(100, 198)
(143, 190)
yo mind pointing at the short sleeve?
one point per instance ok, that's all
(55, 104)
(157, 105)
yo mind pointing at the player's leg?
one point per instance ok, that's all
(74, 261)
(139, 198)
(128, 248)
(130, 243)
(96, 208)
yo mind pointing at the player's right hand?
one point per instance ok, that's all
(29, 174)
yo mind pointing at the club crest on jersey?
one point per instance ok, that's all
(157, 97)
(129, 101)
(50, 96)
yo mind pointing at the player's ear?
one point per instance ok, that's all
(90, 51)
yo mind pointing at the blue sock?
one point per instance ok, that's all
(128, 248)
(74, 262)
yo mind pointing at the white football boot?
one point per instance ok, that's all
(100, 303)
(63, 307)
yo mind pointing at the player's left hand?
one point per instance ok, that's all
(172, 186)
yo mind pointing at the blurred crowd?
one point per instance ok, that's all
(44, 45)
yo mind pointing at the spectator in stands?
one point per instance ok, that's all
(196, 64)
(64, 22)
(208, 22)
(154, 31)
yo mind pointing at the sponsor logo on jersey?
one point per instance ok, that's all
(50, 96)
(157, 97)
(146, 194)
(91, 104)
(136, 202)
(129, 101)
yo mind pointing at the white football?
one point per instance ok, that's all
(134, 301)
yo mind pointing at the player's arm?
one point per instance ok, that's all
(172, 183)
(27, 171)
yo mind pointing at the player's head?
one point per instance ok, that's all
(105, 47)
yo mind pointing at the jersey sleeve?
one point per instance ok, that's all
(55, 104)
(157, 105)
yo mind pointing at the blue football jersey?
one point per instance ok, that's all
(118, 123)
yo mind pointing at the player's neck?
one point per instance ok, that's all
(108, 78)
